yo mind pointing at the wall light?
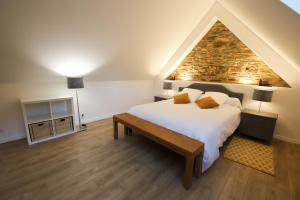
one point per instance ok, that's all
(70, 63)
(186, 77)
(73, 66)
(247, 81)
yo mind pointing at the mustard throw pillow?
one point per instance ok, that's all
(182, 98)
(207, 102)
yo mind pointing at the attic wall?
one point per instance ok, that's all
(221, 57)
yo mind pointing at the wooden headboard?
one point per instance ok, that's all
(214, 88)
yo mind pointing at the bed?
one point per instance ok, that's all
(210, 126)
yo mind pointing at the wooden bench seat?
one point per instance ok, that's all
(191, 149)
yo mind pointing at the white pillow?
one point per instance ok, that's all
(219, 97)
(235, 102)
(193, 93)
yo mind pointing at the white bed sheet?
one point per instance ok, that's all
(210, 126)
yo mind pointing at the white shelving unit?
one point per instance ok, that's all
(48, 118)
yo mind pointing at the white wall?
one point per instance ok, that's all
(97, 100)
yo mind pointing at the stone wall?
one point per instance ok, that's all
(221, 57)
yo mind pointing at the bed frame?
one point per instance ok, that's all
(214, 88)
(191, 149)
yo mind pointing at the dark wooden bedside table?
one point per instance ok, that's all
(256, 124)
(161, 97)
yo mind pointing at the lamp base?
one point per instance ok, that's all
(259, 108)
(81, 128)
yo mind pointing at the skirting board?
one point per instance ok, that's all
(287, 139)
(100, 117)
(12, 138)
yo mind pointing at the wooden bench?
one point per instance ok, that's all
(191, 149)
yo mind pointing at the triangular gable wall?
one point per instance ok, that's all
(221, 57)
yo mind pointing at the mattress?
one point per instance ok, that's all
(210, 126)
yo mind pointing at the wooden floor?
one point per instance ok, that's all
(91, 165)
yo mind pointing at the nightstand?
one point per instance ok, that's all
(161, 97)
(256, 124)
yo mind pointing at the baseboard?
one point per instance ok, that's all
(100, 117)
(11, 138)
(287, 139)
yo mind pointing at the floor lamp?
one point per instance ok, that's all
(77, 83)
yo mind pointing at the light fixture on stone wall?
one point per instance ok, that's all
(247, 81)
(264, 83)
(186, 77)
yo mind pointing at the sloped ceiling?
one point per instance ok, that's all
(115, 39)
(118, 39)
(220, 56)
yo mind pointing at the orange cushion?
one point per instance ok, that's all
(207, 102)
(182, 98)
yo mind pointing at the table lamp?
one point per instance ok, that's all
(262, 96)
(167, 86)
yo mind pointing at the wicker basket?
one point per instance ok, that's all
(63, 125)
(40, 130)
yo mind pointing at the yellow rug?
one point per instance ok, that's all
(252, 154)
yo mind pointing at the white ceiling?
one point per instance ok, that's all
(118, 39)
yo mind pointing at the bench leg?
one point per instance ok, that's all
(188, 171)
(126, 131)
(198, 165)
(130, 131)
(115, 129)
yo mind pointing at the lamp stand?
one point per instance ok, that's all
(259, 108)
(79, 117)
(168, 93)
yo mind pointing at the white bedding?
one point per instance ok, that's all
(211, 126)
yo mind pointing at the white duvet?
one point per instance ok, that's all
(210, 126)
